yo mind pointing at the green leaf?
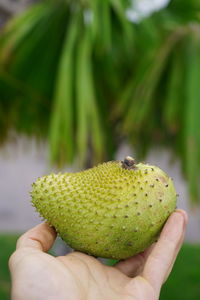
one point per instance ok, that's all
(88, 122)
(61, 135)
(192, 113)
(19, 28)
(120, 11)
(146, 83)
(174, 96)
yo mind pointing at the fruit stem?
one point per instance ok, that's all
(129, 163)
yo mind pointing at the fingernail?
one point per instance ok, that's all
(184, 215)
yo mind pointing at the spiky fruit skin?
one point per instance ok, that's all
(107, 211)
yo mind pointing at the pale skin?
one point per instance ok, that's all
(37, 275)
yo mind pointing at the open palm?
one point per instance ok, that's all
(37, 275)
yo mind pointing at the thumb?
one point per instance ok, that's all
(37, 239)
(40, 237)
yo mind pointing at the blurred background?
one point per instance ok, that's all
(87, 81)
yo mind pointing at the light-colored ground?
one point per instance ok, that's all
(21, 163)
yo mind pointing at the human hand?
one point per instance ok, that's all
(37, 275)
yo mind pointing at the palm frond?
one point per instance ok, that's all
(82, 74)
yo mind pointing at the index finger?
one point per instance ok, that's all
(41, 237)
(165, 251)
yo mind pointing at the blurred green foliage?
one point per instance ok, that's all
(7, 242)
(183, 282)
(85, 76)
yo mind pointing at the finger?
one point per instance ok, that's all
(134, 265)
(178, 246)
(40, 237)
(164, 253)
(176, 253)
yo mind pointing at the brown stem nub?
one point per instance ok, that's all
(128, 163)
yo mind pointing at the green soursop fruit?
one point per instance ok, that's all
(114, 210)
